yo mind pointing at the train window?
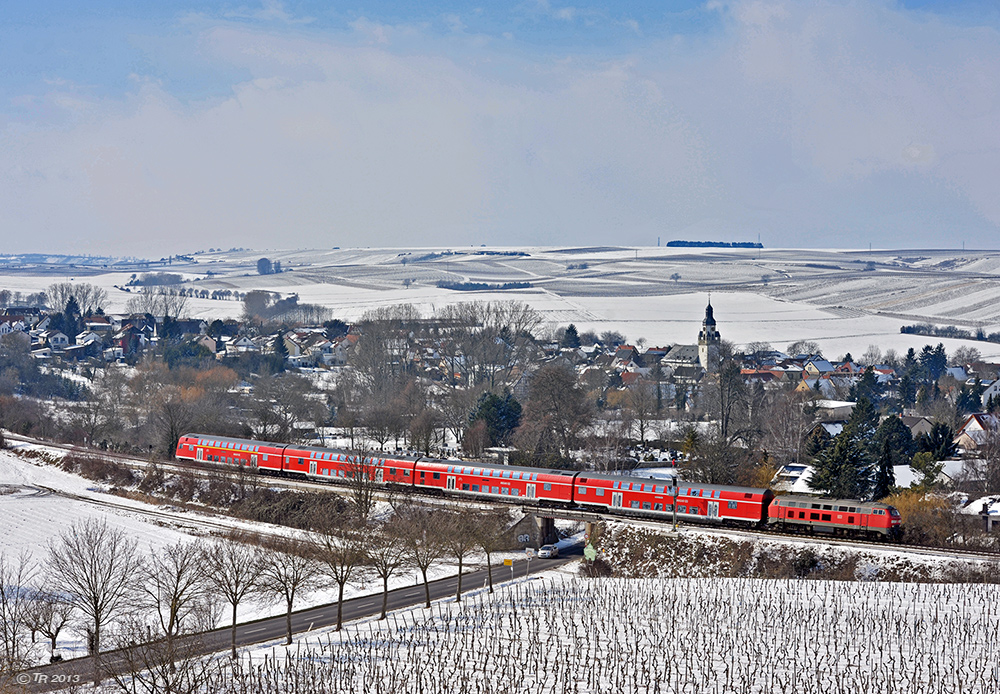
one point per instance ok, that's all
(657, 507)
(748, 495)
(547, 487)
(645, 505)
(496, 490)
(581, 490)
(826, 516)
(634, 504)
(827, 507)
(731, 504)
(694, 510)
(682, 509)
(814, 506)
(514, 492)
(850, 519)
(813, 516)
(475, 487)
(802, 514)
(599, 491)
(422, 475)
(406, 473)
(437, 475)
(392, 471)
(534, 476)
(506, 474)
(465, 487)
(842, 508)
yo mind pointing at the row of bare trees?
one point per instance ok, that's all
(96, 580)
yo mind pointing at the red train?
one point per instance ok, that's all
(616, 494)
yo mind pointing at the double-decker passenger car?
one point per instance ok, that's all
(657, 497)
(837, 516)
(231, 451)
(482, 479)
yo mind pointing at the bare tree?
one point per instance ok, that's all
(386, 556)
(458, 535)
(48, 615)
(364, 479)
(151, 666)
(420, 529)
(174, 587)
(232, 568)
(641, 404)
(88, 296)
(15, 603)
(95, 567)
(558, 405)
(492, 534)
(342, 550)
(289, 569)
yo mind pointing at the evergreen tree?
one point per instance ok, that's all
(502, 415)
(819, 440)
(280, 349)
(939, 441)
(897, 435)
(907, 390)
(910, 361)
(862, 423)
(842, 471)
(570, 338)
(885, 478)
(970, 398)
(867, 387)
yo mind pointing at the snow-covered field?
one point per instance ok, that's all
(39, 502)
(567, 634)
(845, 300)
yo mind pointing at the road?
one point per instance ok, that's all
(80, 670)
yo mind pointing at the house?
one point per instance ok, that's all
(975, 430)
(818, 367)
(54, 339)
(917, 425)
(207, 342)
(834, 410)
(992, 391)
(88, 337)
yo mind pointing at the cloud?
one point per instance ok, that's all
(825, 125)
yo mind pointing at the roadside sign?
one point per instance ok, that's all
(508, 562)
(530, 552)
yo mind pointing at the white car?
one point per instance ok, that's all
(548, 552)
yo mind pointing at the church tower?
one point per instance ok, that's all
(709, 341)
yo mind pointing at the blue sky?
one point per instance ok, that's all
(152, 128)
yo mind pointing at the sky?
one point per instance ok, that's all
(149, 128)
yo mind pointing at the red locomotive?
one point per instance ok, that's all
(616, 494)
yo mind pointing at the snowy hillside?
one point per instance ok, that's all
(845, 300)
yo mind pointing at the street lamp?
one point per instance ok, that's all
(673, 484)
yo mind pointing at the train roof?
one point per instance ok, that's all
(667, 481)
(251, 444)
(826, 501)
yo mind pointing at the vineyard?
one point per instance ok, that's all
(659, 635)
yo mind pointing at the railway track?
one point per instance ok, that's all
(208, 470)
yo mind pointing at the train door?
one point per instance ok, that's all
(451, 482)
(253, 461)
(379, 474)
(529, 491)
(616, 499)
(713, 509)
(200, 455)
(312, 467)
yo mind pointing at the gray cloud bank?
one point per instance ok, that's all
(821, 124)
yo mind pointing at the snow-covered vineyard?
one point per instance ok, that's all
(713, 636)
